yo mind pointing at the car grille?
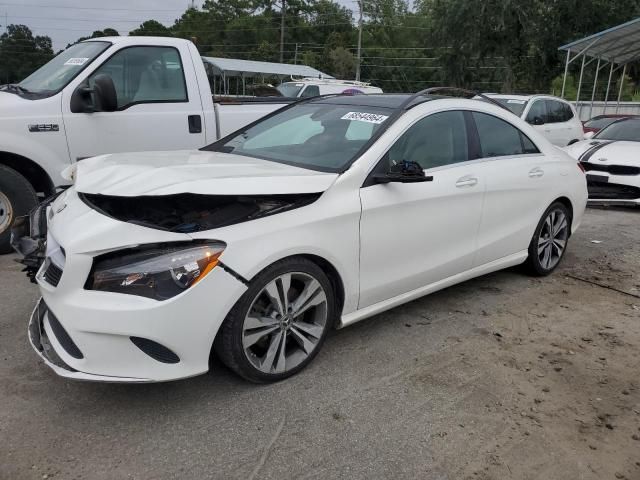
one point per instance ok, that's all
(612, 169)
(52, 274)
(155, 350)
(612, 191)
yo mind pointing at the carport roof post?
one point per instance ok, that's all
(616, 45)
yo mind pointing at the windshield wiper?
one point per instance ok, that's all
(14, 88)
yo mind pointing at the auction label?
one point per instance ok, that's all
(365, 117)
(76, 61)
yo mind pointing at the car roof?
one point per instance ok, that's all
(385, 100)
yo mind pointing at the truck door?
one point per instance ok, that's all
(159, 105)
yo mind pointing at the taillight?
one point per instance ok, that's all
(581, 167)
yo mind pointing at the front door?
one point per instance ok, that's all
(414, 234)
(155, 109)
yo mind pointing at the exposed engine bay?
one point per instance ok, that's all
(189, 212)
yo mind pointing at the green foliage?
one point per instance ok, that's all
(570, 88)
(21, 53)
(488, 45)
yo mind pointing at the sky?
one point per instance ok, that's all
(67, 20)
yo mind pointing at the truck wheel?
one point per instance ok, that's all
(17, 197)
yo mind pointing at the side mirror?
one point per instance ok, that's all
(105, 93)
(588, 135)
(405, 172)
(101, 98)
(536, 121)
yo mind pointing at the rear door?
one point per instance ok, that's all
(517, 184)
(538, 118)
(559, 122)
(156, 108)
(415, 234)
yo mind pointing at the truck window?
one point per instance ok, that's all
(311, 91)
(145, 75)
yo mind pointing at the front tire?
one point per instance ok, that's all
(17, 197)
(550, 239)
(280, 323)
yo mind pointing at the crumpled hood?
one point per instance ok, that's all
(607, 152)
(199, 172)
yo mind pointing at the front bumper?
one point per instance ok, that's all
(91, 335)
(605, 188)
(42, 345)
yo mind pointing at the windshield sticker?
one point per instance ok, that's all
(76, 61)
(365, 117)
(519, 102)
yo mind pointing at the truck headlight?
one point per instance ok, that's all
(159, 271)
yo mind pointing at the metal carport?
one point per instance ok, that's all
(242, 69)
(615, 47)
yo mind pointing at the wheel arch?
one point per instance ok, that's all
(567, 203)
(30, 170)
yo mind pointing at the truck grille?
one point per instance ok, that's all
(52, 274)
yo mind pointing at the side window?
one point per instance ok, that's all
(145, 75)
(433, 141)
(499, 138)
(568, 113)
(311, 91)
(555, 111)
(538, 109)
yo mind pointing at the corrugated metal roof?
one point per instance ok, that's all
(619, 44)
(232, 67)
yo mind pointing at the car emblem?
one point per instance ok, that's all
(602, 159)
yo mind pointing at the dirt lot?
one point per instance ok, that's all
(503, 377)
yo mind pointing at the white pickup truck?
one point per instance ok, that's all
(107, 95)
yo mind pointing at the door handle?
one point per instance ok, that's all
(536, 172)
(195, 123)
(467, 181)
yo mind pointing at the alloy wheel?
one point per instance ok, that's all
(6, 212)
(552, 239)
(285, 322)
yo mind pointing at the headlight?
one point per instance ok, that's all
(159, 272)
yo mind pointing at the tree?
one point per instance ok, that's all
(152, 28)
(343, 63)
(21, 53)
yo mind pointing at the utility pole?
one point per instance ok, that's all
(282, 12)
(360, 5)
(295, 58)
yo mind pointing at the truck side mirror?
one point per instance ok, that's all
(101, 98)
(105, 93)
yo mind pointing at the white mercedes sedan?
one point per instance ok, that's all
(321, 214)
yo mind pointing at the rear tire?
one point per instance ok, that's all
(550, 240)
(17, 197)
(280, 323)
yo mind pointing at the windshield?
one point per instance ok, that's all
(516, 105)
(56, 74)
(318, 136)
(600, 123)
(627, 129)
(290, 89)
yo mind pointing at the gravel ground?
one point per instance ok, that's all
(505, 376)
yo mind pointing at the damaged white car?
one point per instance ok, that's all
(322, 214)
(611, 159)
